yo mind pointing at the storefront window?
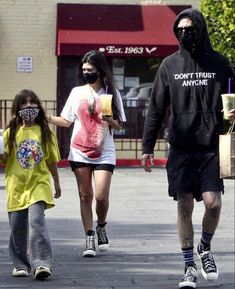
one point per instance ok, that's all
(132, 73)
(134, 78)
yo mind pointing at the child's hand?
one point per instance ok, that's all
(57, 190)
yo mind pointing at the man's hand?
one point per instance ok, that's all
(231, 115)
(145, 160)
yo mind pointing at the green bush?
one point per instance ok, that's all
(220, 18)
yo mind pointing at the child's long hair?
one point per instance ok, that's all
(16, 121)
(98, 59)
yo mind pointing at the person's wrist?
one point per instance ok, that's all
(109, 118)
(48, 117)
(55, 178)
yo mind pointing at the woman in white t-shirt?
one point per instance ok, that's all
(92, 148)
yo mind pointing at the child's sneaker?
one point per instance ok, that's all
(90, 245)
(20, 272)
(208, 267)
(42, 273)
(103, 242)
(190, 278)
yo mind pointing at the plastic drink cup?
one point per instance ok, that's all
(2, 149)
(228, 103)
(106, 104)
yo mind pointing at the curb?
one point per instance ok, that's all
(122, 163)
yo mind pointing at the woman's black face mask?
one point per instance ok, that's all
(187, 37)
(90, 77)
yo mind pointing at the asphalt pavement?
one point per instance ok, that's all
(144, 252)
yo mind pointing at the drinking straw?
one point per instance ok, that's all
(229, 85)
(106, 89)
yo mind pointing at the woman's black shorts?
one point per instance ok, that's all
(94, 167)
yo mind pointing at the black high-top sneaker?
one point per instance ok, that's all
(190, 277)
(208, 267)
(103, 242)
(90, 245)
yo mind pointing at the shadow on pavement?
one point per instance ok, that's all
(143, 256)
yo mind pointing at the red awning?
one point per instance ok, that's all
(116, 30)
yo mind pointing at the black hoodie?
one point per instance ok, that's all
(191, 84)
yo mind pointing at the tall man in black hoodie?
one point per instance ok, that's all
(191, 82)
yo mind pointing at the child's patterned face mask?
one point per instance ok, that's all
(29, 113)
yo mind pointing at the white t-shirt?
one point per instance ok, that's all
(91, 140)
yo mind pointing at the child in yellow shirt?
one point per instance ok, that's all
(31, 154)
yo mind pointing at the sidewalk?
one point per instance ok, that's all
(145, 251)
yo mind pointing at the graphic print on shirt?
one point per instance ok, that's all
(89, 138)
(194, 78)
(29, 153)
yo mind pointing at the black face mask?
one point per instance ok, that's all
(90, 77)
(187, 37)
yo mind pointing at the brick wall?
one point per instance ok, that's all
(28, 28)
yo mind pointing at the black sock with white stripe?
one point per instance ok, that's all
(188, 256)
(205, 242)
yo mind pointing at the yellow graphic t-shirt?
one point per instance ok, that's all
(27, 175)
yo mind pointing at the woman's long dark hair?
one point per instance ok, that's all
(98, 60)
(16, 121)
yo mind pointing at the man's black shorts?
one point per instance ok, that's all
(193, 172)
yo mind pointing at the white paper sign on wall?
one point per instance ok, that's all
(24, 64)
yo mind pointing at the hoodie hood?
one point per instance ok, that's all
(190, 84)
(202, 45)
